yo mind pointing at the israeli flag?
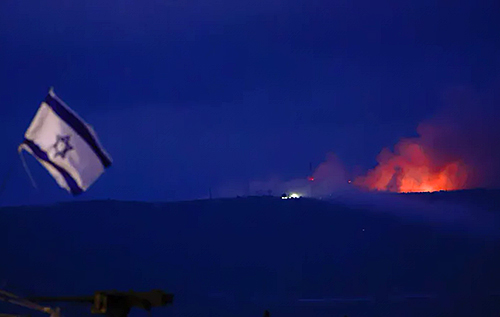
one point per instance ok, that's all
(65, 145)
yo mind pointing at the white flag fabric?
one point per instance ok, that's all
(65, 145)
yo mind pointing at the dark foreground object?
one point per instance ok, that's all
(116, 304)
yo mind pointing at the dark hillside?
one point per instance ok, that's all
(237, 257)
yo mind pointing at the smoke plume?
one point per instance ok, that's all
(330, 176)
(458, 148)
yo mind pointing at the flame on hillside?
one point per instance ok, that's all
(411, 168)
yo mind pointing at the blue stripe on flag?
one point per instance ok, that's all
(79, 127)
(40, 154)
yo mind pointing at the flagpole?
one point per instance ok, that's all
(6, 178)
(26, 168)
(8, 174)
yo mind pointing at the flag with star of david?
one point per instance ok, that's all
(65, 145)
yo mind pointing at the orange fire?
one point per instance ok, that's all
(411, 169)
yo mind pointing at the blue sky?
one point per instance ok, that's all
(187, 95)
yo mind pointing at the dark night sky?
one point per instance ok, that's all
(189, 94)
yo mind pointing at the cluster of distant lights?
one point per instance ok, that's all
(292, 196)
(297, 195)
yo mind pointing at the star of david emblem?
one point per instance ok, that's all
(62, 146)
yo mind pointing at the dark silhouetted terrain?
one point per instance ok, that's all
(238, 257)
